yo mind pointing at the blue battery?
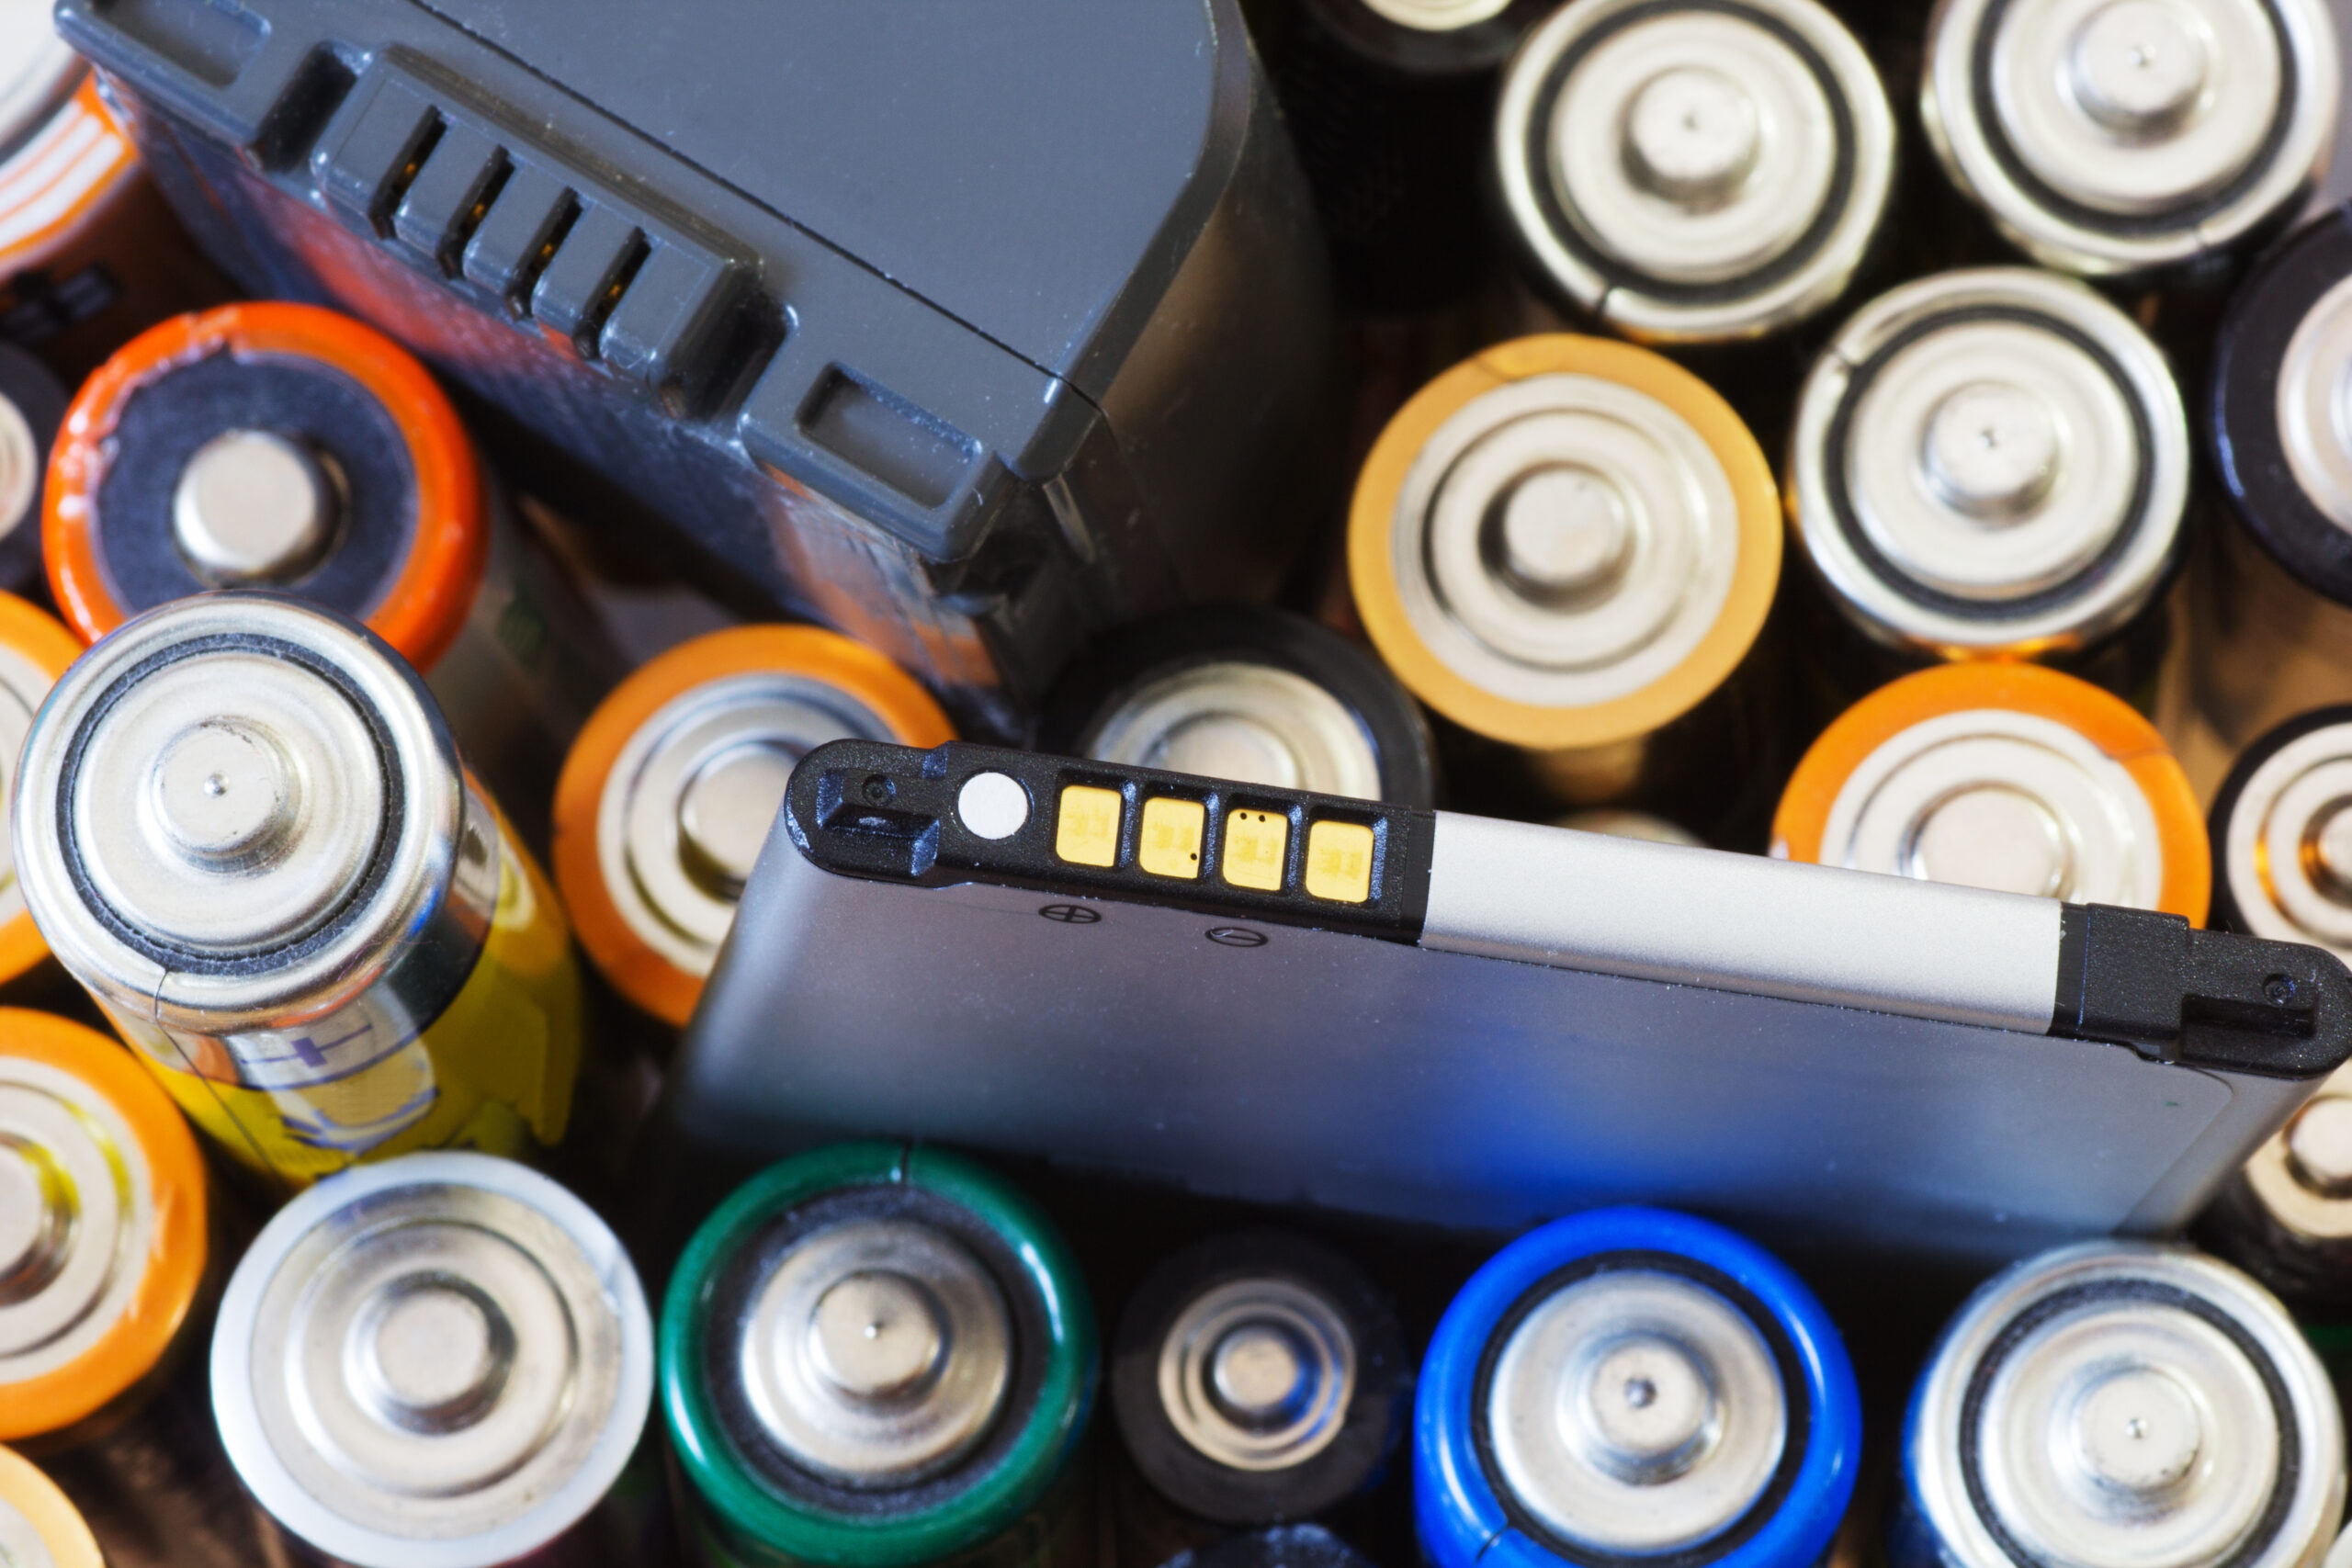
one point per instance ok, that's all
(1634, 1386)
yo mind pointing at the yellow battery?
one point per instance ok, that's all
(270, 868)
(38, 1524)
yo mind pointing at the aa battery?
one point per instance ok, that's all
(1390, 104)
(1286, 1546)
(2130, 138)
(1630, 1384)
(258, 848)
(2271, 606)
(1258, 1378)
(88, 252)
(2007, 776)
(880, 1355)
(2119, 1403)
(1991, 464)
(285, 446)
(35, 651)
(38, 1525)
(1250, 693)
(1694, 173)
(1568, 548)
(443, 1359)
(32, 405)
(671, 789)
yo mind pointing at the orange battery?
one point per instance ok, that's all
(285, 446)
(2004, 776)
(104, 1195)
(38, 1522)
(34, 651)
(670, 788)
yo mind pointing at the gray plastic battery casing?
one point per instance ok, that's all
(967, 326)
(1823, 1056)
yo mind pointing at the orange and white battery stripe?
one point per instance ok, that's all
(39, 1524)
(2005, 775)
(54, 187)
(34, 651)
(670, 788)
(113, 1181)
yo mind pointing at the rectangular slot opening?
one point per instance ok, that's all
(920, 456)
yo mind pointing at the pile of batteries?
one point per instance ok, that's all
(1132, 464)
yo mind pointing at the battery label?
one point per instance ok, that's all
(48, 188)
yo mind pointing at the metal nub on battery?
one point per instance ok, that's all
(1250, 693)
(1629, 1383)
(2117, 1404)
(2118, 137)
(1695, 172)
(39, 1526)
(2281, 831)
(269, 445)
(2007, 776)
(1258, 1378)
(103, 1234)
(670, 790)
(441, 1362)
(1992, 461)
(879, 1354)
(35, 651)
(256, 846)
(1564, 543)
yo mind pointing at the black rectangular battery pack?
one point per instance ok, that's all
(1455, 1021)
(967, 326)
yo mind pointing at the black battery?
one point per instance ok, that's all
(32, 403)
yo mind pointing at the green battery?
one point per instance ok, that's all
(876, 1355)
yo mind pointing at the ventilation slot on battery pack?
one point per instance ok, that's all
(915, 453)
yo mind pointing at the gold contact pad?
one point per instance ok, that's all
(1170, 844)
(1255, 843)
(1338, 861)
(1086, 828)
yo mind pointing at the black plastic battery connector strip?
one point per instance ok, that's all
(2200, 998)
(890, 813)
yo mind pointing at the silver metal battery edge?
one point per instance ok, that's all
(385, 1266)
(1695, 173)
(1234, 718)
(2102, 1400)
(2286, 849)
(1436, 16)
(1257, 1373)
(1988, 460)
(2109, 137)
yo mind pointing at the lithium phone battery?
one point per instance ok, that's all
(2003, 776)
(104, 1234)
(1258, 1378)
(2135, 137)
(675, 780)
(1631, 1384)
(32, 406)
(2269, 608)
(443, 1359)
(1694, 173)
(1392, 104)
(1253, 694)
(1992, 464)
(89, 254)
(1567, 547)
(880, 1356)
(2113, 1402)
(38, 1524)
(285, 446)
(256, 847)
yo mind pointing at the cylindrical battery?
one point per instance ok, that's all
(1991, 463)
(255, 845)
(104, 1234)
(671, 789)
(35, 651)
(441, 1361)
(39, 1525)
(286, 447)
(2272, 603)
(1251, 693)
(1258, 1378)
(2135, 136)
(1631, 1385)
(1568, 548)
(1628, 825)
(32, 406)
(883, 1356)
(1694, 172)
(89, 254)
(2119, 1403)
(1390, 104)
(2007, 776)
(1285, 1546)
